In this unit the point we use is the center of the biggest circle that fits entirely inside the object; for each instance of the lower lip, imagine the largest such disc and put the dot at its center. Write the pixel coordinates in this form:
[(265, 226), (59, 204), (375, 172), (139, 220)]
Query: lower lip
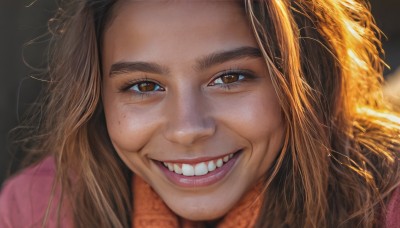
[(200, 181)]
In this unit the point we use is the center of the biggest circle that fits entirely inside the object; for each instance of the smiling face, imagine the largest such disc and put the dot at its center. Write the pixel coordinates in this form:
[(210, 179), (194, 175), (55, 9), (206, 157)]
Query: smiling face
[(188, 102)]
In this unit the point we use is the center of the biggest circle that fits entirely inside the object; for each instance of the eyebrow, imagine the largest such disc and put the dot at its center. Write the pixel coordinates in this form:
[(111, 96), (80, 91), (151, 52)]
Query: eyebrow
[(127, 67), (201, 63), (225, 56)]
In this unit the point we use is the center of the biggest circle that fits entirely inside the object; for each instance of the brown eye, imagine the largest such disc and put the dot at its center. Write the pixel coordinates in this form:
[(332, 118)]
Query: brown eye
[(228, 79), (146, 86)]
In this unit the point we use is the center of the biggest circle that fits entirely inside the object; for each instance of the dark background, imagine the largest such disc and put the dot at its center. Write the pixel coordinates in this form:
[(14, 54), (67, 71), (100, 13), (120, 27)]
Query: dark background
[(20, 24)]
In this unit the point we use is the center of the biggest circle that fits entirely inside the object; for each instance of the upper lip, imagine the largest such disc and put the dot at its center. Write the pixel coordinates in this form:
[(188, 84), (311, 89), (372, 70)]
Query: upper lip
[(197, 160)]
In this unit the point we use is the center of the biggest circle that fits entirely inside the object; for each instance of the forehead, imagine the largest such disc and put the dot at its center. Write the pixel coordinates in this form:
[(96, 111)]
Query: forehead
[(155, 29), (174, 9)]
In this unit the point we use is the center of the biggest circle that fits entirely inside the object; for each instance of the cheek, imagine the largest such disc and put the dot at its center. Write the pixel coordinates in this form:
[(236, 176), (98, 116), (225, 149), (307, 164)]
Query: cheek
[(257, 116), (129, 128), (132, 131), (260, 123)]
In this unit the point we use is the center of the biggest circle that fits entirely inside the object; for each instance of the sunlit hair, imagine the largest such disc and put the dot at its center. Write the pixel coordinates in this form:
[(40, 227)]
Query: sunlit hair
[(341, 153), (340, 160)]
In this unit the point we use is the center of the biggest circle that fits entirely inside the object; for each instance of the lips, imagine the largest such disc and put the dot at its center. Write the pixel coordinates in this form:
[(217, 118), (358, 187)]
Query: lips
[(199, 173), (197, 169)]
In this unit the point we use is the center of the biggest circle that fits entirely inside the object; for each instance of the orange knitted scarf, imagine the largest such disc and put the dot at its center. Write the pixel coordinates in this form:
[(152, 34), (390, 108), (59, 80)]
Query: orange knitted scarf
[(151, 212)]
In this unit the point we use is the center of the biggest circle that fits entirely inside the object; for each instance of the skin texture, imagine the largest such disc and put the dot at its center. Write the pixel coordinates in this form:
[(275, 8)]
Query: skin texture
[(189, 114)]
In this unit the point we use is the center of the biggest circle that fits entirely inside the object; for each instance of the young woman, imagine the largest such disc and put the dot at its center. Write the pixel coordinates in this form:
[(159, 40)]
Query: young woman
[(211, 114)]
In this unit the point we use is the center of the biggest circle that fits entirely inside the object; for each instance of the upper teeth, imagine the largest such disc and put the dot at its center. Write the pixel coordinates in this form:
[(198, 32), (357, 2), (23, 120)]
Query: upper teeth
[(197, 169)]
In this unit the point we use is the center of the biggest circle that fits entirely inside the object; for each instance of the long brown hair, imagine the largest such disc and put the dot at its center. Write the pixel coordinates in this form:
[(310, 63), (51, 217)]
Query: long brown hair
[(342, 144), (340, 160)]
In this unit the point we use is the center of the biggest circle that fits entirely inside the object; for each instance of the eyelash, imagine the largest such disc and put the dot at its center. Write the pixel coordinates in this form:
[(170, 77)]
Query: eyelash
[(245, 76), (128, 86)]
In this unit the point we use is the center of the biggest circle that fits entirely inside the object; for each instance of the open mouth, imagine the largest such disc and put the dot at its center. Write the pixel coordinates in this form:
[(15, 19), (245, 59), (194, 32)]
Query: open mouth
[(200, 168)]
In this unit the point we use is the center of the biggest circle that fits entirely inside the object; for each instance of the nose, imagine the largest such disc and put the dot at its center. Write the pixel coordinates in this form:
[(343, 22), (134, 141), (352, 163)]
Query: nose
[(188, 120)]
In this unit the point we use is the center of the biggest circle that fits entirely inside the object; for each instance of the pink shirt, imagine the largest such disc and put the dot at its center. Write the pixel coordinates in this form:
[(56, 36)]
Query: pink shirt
[(24, 200)]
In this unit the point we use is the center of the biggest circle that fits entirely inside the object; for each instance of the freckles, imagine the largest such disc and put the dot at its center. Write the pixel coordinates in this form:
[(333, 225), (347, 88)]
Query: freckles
[(121, 123), (118, 127), (131, 128)]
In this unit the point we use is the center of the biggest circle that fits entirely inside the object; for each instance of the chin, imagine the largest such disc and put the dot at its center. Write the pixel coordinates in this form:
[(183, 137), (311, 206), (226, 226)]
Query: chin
[(202, 214), (203, 208)]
